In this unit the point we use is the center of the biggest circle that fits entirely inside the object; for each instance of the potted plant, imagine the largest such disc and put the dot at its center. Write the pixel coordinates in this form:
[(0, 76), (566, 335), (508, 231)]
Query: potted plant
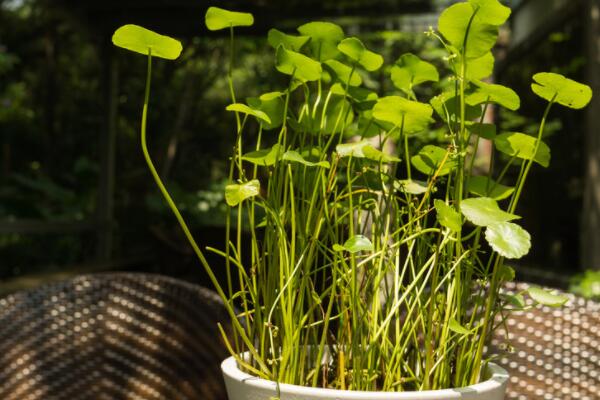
[(375, 268)]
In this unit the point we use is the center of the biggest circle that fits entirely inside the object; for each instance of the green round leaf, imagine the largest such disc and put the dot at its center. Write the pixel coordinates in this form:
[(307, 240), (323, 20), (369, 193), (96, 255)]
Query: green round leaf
[(411, 186), (491, 11), (244, 109), (235, 194), (506, 273), (277, 38), (217, 18), (412, 116), (508, 239), (264, 157), (430, 159), (484, 211), (355, 244), (324, 38), (356, 50), (522, 146), (459, 21), (410, 70), (485, 187), (342, 73), (546, 298), (477, 68), (294, 156), (565, 91), (144, 41), (300, 66), (447, 216), (492, 93)]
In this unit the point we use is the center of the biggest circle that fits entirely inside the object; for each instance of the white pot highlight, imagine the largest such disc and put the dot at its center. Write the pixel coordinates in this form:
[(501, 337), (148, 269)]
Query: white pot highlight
[(242, 386)]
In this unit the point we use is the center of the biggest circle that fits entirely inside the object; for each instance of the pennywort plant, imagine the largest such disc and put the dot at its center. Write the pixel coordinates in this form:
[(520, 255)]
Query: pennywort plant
[(372, 266)]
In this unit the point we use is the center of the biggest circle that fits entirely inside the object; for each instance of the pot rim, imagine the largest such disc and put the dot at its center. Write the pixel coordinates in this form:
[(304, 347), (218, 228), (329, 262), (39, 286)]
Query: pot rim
[(498, 377)]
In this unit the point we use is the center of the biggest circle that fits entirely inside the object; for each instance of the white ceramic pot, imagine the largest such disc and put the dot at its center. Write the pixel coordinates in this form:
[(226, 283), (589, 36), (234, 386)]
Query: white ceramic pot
[(241, 386)]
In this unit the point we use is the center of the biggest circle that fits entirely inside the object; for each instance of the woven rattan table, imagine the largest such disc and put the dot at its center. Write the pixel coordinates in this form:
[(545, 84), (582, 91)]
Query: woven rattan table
[(148, 337), (112, 336)]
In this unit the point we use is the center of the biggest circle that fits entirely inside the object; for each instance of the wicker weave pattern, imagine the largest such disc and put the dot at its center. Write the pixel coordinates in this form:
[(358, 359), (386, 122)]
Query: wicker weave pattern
[(556, 351), (113, 336)]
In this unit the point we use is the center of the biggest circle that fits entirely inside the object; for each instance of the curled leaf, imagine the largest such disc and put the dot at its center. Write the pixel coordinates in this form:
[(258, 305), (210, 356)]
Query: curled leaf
[(277, 38), (432, 159), (409, 70), (244, 109), (546, 298)]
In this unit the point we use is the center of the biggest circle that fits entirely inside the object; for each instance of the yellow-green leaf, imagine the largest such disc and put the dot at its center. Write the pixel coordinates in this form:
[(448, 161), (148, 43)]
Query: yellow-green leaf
[(411, 116), (144, 41), (565, 91), (235, 194), (342, 73), (547, 298), (492, 93), (355, 244), (508, 239), (354, 49), (409, 70), (522, 146), (277, 38), (218, 18), (324, 38), (431, 158), (300, 66), (244, 109), (447, 216), (485, 187), (484, 211)]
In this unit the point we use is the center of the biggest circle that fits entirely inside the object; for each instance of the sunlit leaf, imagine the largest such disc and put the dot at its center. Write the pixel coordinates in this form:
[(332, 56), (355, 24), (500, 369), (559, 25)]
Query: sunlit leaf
[(522, 146), (264, 157), (431, 158), (485, 187), (492, 11), (356, 50), (296, 64), (411, 116), (546, 298), (409, 70), (277, 38), (477, 68), (492, 93), (459, 21), (486, 131), (144, 41), (455, 327), (324, 38), (565, 91), (447, 216), (217, 18), (484, 211), (244, 109), (294, 156), (235, 194), (342, 73), (355, 244), (508, 239), (411, 186)]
